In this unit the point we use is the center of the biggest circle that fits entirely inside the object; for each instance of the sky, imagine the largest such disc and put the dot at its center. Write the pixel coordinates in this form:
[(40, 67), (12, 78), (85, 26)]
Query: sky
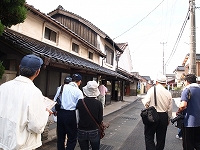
[(150, 27)]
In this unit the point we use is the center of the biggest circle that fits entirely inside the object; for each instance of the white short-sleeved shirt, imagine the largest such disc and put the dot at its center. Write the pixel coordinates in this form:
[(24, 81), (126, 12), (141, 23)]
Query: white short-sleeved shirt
[(164, 99), (70, 96)]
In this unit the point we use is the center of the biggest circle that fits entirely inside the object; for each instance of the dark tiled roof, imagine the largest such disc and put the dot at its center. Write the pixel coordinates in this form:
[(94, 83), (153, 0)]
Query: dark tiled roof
[(28, 45), (180, 68), (147, 78), (122, 46), (127, 74), (61, 10), (197, 56)]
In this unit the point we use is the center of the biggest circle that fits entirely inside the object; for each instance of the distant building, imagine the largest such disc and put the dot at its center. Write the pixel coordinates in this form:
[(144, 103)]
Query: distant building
[(171, 81), (186, 62), (145, 84), (124, 67), (182, 70), (179, 73)]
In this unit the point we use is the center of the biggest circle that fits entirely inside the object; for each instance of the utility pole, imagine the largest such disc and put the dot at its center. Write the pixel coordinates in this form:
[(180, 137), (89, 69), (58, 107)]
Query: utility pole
[(192, 65), (163, 43)]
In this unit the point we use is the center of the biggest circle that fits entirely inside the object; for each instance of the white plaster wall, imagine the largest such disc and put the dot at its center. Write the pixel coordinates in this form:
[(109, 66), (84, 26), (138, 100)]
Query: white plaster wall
[(34, 26), (125, 61), (106, 65)]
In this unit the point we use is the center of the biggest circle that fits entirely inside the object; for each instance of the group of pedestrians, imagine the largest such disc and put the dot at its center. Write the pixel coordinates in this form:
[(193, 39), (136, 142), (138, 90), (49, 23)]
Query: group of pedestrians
[(73, 119), (23, 115), (189, 107)]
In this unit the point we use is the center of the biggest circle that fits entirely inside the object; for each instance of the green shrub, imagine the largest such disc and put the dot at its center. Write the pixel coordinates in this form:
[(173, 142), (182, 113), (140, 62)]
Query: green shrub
[(177, 88), (138, 91), (2, 69)]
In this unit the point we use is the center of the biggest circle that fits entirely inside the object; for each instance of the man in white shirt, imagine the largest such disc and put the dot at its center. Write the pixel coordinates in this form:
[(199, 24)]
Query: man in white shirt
[(66, 116), (23, 114), (164, 109)]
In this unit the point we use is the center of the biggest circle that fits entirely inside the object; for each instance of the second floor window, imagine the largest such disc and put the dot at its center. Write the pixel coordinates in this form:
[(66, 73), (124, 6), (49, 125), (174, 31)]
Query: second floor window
[(50, 34), (109, 55), (90, 55), (75, 47)]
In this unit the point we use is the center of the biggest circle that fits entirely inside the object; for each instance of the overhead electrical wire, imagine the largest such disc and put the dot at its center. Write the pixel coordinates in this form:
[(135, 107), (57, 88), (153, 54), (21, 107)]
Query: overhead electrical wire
[(156, 28), (172, 15), (140, 20), (178, 38)]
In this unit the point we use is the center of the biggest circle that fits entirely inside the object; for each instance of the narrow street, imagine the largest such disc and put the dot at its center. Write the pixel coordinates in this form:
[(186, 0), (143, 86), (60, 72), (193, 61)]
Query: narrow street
[(126, 131)]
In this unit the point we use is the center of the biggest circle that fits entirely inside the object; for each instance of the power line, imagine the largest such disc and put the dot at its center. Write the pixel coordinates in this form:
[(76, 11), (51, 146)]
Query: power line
[(140, 20), (178, 38)]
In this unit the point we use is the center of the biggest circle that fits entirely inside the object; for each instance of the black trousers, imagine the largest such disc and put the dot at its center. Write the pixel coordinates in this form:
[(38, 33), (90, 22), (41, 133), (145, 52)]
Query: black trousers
[(66, 125), (159, 129), (191, 138)]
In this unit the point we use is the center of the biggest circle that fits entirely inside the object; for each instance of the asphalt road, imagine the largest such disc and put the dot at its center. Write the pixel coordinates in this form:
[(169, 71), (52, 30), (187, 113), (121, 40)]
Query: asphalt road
[(126, 131)]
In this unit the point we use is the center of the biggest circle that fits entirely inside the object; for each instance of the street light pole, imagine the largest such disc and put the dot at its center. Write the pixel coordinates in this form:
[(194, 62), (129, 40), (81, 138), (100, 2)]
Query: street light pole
[(192, 65), (163, 43)]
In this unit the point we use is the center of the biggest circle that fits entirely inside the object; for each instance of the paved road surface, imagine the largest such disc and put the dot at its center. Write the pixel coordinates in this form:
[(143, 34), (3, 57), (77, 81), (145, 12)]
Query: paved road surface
[(126, 131)]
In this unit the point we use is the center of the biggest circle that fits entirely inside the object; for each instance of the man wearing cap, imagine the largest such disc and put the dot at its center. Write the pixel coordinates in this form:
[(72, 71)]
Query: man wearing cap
[(23, 114), (67, 80), (190, 108), (88, 133), (66, 116), (164, 109)]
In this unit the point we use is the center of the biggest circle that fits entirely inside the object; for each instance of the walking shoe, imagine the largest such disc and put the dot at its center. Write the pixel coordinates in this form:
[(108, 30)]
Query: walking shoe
[(177, 136)]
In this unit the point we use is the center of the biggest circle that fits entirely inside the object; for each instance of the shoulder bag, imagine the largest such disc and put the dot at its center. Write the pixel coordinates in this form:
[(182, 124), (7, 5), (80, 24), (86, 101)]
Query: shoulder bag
[(150, 115), (102, 126), (58, 99)]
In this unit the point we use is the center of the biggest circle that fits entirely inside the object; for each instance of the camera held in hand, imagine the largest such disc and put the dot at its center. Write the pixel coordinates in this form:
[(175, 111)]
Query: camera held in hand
[(178, 119)]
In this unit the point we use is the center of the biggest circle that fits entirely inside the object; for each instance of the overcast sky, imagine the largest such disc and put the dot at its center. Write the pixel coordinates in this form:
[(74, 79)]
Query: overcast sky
[(149, 26)]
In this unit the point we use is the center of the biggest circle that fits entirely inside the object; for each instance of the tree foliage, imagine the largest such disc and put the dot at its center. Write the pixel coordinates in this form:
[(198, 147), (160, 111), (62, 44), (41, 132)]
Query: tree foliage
[(12, 12)]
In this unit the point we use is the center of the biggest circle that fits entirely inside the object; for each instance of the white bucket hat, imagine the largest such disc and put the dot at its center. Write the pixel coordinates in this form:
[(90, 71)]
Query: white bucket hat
[(161, 79), (91, 89)]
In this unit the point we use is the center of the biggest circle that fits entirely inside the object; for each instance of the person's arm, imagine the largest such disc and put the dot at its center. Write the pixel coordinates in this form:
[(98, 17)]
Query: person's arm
[(169, 111), (57, 93), (106, 90), (147, 99), (37, 114), (55, 97), (184, 100), (182, 107)]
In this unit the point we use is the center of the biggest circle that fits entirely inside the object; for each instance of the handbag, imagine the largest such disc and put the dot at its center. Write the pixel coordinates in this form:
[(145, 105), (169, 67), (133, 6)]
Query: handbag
[(150, 115), (102, 126), (58, 99)]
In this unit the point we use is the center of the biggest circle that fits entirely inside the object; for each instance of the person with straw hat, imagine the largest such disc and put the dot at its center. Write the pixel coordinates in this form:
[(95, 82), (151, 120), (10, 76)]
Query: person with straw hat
[(88, 131)]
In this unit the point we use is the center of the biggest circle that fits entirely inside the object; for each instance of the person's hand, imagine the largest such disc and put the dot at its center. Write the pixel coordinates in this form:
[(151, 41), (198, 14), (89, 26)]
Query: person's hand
[(146, 106), (55, 113), (50, 111), (178, 112)]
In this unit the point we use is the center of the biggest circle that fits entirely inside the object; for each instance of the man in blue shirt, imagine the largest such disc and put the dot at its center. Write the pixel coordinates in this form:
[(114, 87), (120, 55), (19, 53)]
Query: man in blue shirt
[(190, 106), (66, 116)]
